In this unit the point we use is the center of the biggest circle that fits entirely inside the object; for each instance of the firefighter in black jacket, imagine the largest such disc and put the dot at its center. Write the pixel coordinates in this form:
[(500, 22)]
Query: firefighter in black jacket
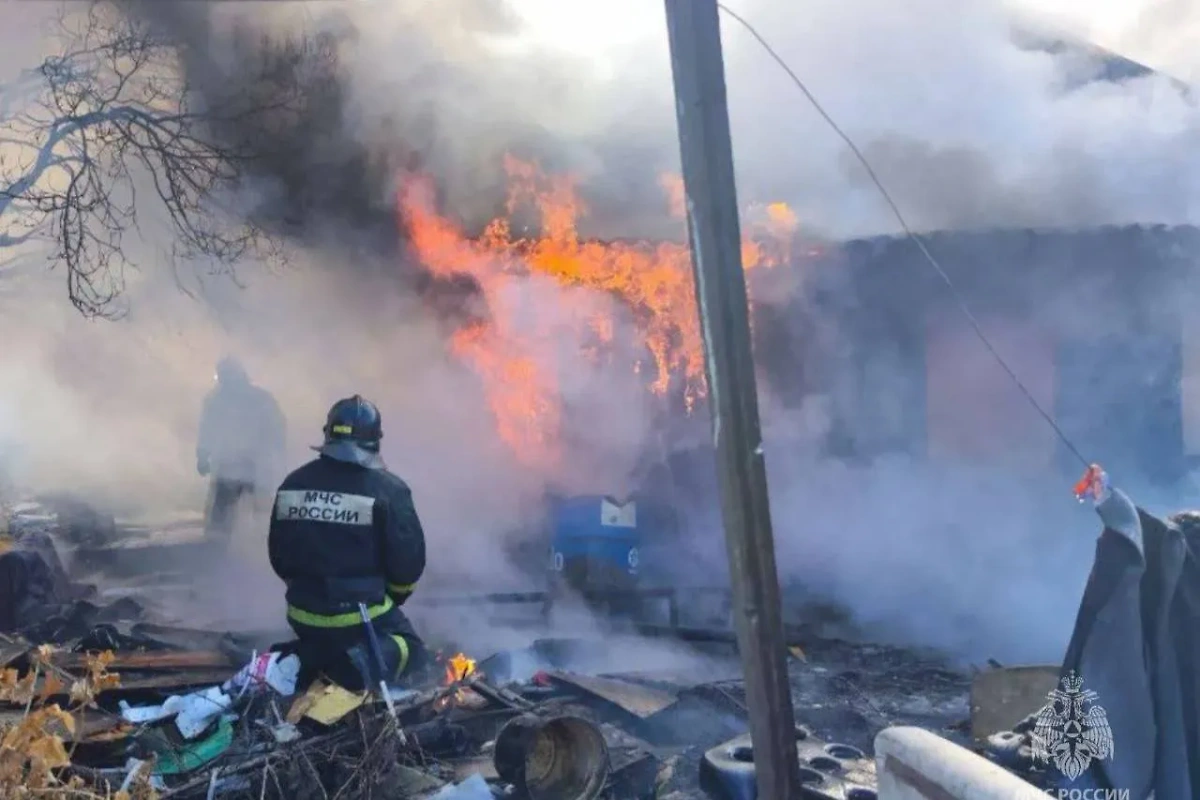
[(344, 531)]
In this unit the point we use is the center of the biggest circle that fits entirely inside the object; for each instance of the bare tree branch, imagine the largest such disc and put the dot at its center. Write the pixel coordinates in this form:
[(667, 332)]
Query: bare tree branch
[(114, 115)]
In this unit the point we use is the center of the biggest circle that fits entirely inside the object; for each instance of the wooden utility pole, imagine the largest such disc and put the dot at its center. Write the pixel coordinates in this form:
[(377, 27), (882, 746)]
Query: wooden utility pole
[(712, 215)]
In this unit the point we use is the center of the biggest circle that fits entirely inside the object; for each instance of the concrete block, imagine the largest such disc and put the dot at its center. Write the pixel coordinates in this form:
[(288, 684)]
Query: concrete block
[(915, 764)]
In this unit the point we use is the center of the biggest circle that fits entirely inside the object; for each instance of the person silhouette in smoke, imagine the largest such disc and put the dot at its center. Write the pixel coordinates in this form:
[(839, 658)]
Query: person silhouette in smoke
[(240, 447)]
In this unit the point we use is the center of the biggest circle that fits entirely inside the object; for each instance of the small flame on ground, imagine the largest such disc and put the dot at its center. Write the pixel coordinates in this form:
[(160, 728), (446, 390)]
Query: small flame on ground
[(459, 668)]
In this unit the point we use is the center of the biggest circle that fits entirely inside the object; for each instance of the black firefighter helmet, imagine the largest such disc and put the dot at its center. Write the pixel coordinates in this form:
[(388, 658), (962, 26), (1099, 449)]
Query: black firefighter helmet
[(353, 429)]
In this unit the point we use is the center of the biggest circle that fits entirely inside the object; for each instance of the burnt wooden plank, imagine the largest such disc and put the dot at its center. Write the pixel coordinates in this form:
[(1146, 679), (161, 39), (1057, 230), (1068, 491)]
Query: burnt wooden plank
[(150, 661)]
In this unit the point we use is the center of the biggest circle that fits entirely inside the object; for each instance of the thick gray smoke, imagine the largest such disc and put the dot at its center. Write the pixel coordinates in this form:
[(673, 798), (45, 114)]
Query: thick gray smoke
[(110, 411), (966, 129)]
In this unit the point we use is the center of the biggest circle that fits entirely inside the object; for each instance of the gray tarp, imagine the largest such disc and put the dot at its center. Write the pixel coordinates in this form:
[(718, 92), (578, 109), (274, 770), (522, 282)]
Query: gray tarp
[(1136, 645)]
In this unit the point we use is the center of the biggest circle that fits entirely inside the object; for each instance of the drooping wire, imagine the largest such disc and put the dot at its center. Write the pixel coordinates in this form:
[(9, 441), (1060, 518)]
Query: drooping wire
[(908, 232)]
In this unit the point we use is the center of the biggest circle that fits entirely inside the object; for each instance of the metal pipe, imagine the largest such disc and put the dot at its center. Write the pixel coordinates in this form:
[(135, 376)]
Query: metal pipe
[(377, 653)]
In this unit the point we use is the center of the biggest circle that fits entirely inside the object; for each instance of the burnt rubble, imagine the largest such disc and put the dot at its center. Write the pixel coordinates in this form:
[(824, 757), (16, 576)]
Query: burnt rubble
[(119, 701), (612, 737)]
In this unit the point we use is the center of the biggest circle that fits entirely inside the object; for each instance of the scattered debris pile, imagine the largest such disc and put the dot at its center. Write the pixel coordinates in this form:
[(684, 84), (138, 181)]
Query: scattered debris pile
[(97, 701), (143, 724), (38, 597), (147, 719)]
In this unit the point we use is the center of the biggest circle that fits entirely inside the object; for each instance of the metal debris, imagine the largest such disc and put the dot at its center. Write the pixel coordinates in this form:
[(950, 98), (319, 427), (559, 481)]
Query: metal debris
[(637, 699)]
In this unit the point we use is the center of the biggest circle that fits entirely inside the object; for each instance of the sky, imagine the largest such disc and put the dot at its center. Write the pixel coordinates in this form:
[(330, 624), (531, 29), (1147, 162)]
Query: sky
[(1152, 31)]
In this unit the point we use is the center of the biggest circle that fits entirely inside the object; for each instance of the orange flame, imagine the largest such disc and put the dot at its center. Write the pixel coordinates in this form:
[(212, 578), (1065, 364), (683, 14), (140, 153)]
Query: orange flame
[(459, 668), (509, 350)]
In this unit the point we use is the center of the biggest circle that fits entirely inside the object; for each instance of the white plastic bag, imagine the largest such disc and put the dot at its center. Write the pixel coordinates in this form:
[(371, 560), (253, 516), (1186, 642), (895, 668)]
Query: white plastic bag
[(197, 711), (193, 713), (267, 669)]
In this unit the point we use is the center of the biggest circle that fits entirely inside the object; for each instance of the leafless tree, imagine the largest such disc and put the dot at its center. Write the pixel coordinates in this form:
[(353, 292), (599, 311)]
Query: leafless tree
[(96, 141)]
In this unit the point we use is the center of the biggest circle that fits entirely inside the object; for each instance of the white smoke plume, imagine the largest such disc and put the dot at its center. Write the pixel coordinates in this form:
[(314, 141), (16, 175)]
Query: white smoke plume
[(965, 128)]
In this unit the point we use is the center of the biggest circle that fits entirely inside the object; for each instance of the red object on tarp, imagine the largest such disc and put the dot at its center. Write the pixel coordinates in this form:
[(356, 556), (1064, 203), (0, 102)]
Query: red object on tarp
[(1091, 484)]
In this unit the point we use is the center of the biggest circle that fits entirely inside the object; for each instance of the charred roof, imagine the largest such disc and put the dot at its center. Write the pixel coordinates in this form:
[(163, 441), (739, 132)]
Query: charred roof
[(1121, 276), (1085, 61)]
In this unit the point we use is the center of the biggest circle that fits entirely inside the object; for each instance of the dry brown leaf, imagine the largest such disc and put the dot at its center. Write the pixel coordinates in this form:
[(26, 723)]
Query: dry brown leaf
[(116, 734), (98, 663), (50, 751), (55, 712), (109, 680), (51, 686), (13, 736), (9, 679), (21, 691), (10, 760), (38, 776)]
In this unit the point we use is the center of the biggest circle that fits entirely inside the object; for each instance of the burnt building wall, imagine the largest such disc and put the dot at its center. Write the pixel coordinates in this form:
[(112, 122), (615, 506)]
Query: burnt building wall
[(1096, 324)]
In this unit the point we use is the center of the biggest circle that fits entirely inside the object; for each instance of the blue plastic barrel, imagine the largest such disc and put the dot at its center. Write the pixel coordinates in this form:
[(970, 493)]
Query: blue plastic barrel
[(596, 529)]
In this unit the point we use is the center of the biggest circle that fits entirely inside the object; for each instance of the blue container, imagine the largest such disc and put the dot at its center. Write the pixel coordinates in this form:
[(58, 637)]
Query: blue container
[(596, 529)]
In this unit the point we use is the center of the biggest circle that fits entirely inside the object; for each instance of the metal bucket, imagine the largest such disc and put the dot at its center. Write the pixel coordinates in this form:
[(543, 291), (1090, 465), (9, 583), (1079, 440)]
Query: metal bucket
[(559, 758)]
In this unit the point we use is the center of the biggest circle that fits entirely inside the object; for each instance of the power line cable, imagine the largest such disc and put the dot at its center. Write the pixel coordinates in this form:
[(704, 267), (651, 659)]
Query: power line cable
[(933, 262)]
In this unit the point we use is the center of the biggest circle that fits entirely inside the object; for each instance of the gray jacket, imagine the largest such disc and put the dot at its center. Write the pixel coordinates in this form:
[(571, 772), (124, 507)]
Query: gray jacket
[(242, 434)]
